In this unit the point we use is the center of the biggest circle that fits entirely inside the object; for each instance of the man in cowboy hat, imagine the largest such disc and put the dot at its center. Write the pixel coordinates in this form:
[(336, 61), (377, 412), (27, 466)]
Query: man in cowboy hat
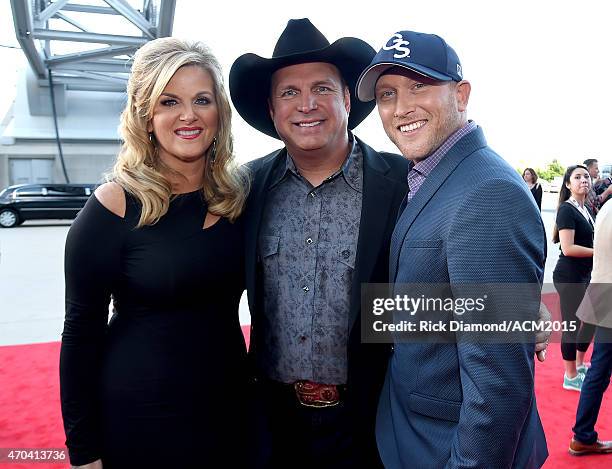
[(468, 220), (318, 224)]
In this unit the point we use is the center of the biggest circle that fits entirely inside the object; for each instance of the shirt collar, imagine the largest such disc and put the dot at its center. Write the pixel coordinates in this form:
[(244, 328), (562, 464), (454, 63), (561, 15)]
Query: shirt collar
[(426, 166), (350, 168)]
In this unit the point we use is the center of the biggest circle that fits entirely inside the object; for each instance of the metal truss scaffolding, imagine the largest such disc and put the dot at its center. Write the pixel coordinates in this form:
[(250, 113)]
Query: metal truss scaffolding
[(72, 39)]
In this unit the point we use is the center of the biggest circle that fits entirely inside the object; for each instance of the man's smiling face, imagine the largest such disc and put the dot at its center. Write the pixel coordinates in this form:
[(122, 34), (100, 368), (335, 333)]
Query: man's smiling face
[(310, 106), (419, 113)]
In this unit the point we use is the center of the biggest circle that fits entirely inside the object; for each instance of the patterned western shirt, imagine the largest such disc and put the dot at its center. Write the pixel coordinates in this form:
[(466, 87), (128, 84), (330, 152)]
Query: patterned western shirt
[(594, 199), (307, 246)]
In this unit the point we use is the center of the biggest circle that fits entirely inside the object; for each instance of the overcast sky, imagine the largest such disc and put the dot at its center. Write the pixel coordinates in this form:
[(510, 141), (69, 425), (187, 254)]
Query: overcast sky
[(540, 69)]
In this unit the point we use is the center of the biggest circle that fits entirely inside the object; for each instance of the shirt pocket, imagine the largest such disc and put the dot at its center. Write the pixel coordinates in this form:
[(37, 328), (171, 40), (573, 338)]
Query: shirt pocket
[(268, 246), (268, 262)]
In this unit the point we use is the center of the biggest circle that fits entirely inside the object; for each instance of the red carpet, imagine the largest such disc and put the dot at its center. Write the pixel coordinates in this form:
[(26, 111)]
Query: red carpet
[(557, 407), (30, 409), (30, 415)]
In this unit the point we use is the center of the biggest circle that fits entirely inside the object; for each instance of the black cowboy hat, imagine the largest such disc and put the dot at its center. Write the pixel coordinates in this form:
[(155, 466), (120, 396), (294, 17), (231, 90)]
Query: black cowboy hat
[(300, 42)]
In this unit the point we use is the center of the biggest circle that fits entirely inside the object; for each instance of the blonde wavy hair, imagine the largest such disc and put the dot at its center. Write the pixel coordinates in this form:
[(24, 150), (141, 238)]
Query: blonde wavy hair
[(139, 170)]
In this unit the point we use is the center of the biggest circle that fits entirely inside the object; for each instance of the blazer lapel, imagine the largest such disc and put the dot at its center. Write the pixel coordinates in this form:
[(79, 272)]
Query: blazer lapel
[(378, 194), (464, 147)]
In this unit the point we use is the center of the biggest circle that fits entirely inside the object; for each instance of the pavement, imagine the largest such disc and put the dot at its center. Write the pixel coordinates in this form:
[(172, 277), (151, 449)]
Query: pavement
[(32, 278)]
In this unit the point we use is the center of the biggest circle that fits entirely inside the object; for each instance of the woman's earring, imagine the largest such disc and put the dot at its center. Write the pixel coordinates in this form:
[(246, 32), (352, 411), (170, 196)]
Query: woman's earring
[(151, 137), (213, 152)]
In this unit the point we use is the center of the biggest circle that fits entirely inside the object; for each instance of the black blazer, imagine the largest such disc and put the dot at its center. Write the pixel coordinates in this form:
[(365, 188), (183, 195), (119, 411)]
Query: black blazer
[(384, 186)]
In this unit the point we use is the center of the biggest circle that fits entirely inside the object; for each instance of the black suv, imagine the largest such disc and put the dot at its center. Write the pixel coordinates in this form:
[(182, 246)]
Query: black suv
[(42, 201)]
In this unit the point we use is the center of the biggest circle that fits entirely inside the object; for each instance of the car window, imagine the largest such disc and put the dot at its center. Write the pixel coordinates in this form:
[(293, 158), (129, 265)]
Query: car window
[(28, 192), (66, 191)]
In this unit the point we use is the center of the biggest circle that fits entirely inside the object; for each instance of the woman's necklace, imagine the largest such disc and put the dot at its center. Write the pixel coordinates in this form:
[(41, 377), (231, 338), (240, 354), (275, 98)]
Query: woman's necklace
[(582, 209)]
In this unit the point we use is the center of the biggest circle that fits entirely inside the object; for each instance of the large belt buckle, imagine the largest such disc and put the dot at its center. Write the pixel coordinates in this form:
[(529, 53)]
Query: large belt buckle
[(317, 395)]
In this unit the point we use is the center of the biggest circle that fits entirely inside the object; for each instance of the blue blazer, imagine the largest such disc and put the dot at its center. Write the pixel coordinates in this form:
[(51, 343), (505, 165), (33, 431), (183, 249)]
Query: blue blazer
[(465, 404)]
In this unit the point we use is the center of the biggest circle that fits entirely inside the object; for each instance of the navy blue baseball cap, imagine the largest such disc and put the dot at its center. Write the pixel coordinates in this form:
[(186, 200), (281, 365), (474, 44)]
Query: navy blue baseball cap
[(425, 54)]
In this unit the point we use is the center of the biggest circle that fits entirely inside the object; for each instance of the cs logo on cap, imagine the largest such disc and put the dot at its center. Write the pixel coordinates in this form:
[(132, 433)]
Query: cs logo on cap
[(398, 43)]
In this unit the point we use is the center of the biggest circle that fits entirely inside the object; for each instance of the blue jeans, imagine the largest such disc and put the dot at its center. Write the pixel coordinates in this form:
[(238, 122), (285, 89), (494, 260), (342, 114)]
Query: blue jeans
[(595, 384)]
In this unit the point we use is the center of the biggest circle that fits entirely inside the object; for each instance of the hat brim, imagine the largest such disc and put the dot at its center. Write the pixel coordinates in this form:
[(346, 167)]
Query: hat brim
[(366, 84), (250, 79)]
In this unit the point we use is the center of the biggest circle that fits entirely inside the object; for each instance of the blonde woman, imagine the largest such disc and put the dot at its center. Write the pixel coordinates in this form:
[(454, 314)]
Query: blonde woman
[(159, 385)]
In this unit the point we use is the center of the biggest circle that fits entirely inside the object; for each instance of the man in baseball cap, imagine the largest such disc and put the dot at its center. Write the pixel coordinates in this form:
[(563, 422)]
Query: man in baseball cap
[(467, 220)]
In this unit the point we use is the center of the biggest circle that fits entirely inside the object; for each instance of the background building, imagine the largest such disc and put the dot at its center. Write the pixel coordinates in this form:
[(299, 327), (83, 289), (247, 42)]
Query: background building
[(63, 123), (88, 132)]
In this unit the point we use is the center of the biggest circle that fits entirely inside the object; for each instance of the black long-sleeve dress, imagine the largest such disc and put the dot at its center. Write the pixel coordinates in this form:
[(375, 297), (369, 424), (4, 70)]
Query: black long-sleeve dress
[(162, 384)]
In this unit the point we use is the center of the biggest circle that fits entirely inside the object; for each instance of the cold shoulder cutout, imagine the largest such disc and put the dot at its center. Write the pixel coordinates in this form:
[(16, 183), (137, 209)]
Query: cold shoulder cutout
[(112, 196)]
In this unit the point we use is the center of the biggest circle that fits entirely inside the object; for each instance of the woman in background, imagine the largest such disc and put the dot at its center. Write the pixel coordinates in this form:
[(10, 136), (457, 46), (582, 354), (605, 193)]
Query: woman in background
[(162, 384), (574, 231), (531, 179)]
